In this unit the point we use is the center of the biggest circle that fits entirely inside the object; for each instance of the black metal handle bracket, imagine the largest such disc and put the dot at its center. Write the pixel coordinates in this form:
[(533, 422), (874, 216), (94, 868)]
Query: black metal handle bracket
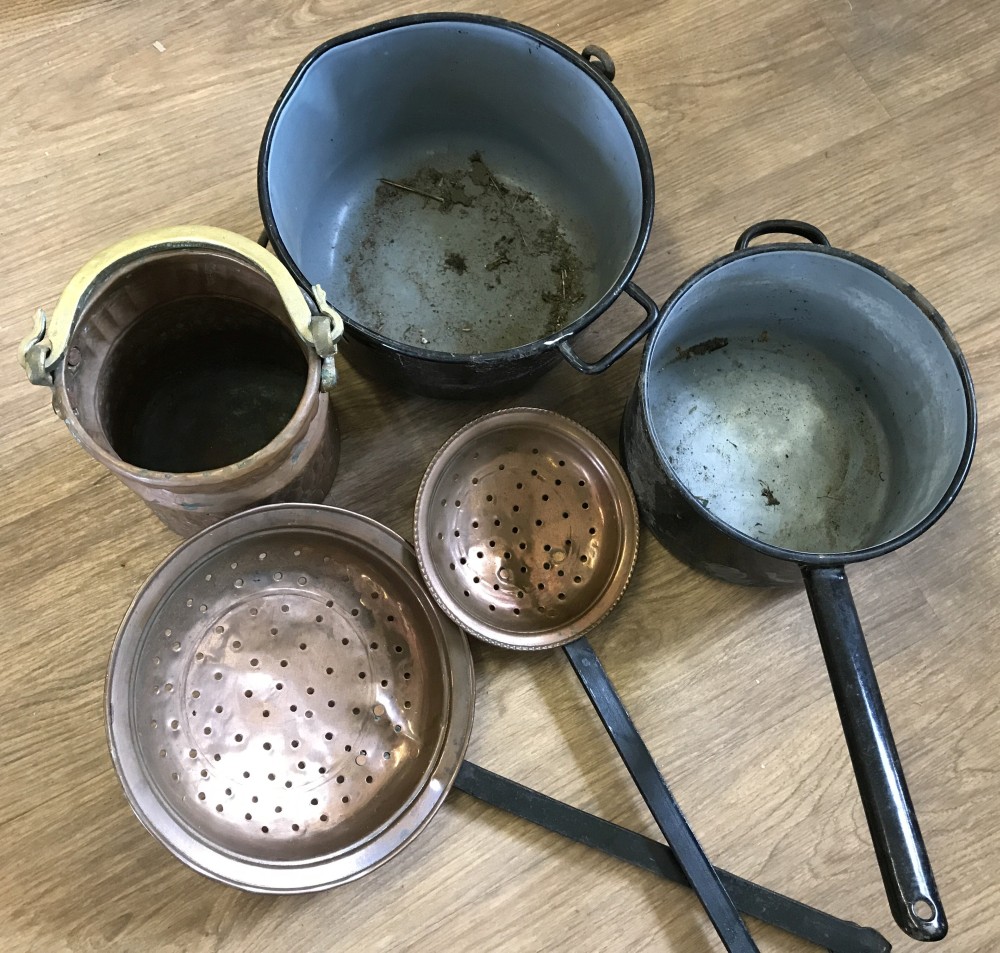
[(628, 342), (782, 226)]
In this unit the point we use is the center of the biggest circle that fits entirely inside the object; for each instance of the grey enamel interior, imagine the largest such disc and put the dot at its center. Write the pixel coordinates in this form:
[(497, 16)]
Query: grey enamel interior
[(432, 94), (832, 419)]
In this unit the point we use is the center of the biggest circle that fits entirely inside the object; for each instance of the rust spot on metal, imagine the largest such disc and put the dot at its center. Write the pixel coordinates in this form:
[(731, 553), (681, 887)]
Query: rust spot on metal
[(703, 347)]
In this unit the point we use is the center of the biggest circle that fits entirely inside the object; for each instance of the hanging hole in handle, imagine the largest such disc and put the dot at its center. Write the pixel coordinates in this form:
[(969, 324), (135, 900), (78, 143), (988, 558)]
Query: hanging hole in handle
[(600, 59), (923, 909), (782, 226)]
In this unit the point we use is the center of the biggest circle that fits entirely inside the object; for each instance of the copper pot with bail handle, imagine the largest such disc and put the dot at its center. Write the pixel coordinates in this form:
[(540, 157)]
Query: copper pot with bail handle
[(800, 408), (189, 363)]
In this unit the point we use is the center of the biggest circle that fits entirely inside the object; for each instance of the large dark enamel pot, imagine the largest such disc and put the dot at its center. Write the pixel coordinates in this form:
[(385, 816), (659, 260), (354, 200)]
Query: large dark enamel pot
[(470, 192), (800, 408)]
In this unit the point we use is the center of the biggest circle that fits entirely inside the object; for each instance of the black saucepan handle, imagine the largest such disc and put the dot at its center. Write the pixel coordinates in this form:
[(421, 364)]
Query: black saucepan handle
[(702, 875), (782, 226), (798, 919), (630, 340), (902, 857)]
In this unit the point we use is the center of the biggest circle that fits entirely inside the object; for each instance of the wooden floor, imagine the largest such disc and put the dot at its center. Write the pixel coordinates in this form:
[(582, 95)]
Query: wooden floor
[(875, 119)]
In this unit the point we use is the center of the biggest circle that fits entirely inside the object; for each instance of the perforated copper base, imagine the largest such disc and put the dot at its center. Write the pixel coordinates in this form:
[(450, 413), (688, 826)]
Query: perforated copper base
[(286, 705), (526, 529)]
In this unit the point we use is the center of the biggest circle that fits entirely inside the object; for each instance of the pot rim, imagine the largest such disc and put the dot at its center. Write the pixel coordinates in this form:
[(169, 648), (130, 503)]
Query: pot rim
[(539, 345), (623, 509), (268, 456), (948, 338)]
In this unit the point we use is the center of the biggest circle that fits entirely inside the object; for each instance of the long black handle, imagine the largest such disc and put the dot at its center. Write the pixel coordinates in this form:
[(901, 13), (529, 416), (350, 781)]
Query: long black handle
[(701, 874), (902, 857), (799, 919)]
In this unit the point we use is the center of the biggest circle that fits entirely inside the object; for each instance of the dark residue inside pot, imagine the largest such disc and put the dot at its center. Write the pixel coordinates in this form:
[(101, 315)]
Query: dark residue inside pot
[(459, 259), (703, 347), (199, 383)]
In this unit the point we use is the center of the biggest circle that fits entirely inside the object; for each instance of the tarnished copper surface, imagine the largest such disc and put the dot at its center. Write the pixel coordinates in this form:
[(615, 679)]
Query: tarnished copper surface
[(190, 371), (286, 705), (526, 528)]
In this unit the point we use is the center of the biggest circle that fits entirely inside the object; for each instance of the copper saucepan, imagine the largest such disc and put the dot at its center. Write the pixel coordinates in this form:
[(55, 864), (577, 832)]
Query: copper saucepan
[(527, 531)]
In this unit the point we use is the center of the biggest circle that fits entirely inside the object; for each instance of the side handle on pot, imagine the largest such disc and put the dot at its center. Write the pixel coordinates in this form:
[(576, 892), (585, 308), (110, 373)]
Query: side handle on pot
[(35, 350), (604, 64), (899, 847), (629, 341), (327, 327), (782, 226)]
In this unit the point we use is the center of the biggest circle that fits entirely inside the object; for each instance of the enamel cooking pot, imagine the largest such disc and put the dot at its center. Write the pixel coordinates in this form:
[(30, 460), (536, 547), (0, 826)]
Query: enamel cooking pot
[(800, 408), (470, 192)]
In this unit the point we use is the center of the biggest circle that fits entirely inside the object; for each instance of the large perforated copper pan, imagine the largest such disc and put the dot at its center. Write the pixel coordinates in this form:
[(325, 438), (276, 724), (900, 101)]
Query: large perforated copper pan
[(286, 706), (526, 530)]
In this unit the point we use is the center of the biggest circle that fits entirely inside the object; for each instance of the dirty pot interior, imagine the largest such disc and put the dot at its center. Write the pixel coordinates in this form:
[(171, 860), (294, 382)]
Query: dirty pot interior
[(456, 186), (806, 401)]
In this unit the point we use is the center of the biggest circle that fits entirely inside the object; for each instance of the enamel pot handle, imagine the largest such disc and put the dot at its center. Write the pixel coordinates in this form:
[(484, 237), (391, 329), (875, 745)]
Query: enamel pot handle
[(629, 341), (899, 847), (782, 226)]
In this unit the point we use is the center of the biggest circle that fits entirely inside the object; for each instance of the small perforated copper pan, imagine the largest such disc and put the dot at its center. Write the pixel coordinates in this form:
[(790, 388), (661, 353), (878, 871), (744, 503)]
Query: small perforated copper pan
[(526, 531), (286, 706)]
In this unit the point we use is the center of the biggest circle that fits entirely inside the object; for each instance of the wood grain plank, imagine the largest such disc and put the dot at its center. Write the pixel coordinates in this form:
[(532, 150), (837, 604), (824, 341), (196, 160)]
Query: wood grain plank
[(874, 121), (912, 52)]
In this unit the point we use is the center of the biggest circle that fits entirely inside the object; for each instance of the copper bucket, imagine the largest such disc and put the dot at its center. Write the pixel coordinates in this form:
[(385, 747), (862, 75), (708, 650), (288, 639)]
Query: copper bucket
[(188, 362)]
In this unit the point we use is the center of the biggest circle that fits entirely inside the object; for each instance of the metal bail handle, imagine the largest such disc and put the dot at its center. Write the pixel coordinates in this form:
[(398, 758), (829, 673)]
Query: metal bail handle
[(35, 349), (42, 350), (326, 328)]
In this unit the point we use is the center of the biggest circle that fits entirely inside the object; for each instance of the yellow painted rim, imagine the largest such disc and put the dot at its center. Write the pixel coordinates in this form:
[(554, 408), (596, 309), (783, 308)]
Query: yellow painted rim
[(60, 324)]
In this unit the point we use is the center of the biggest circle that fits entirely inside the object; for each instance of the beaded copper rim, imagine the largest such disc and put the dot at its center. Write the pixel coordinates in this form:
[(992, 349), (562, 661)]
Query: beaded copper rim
[(287, 707), (526, 529)]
